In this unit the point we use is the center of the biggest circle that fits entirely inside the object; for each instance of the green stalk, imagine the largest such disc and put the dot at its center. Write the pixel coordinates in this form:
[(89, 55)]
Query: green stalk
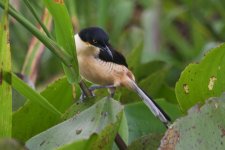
[(64, 35), (32, 95), (50, 44), (33, 11), (5, 77)]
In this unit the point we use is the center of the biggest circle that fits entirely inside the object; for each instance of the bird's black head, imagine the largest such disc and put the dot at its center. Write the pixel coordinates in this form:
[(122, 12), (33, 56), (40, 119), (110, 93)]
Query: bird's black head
[(96, 37)]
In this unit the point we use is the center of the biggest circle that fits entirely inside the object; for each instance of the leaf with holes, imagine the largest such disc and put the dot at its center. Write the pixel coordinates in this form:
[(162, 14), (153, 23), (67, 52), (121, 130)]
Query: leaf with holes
[(101, 120), (202, 128), (201, 81)]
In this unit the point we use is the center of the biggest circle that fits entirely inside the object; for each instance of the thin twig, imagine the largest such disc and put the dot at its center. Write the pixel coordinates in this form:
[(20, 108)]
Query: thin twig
[(85, 89)]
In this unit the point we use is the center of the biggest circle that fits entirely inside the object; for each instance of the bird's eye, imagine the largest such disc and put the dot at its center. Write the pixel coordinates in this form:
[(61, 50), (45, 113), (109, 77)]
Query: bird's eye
[(94, 41)]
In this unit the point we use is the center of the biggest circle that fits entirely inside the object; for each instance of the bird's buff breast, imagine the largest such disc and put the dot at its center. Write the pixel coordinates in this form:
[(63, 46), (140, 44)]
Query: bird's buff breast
[(100, 72)]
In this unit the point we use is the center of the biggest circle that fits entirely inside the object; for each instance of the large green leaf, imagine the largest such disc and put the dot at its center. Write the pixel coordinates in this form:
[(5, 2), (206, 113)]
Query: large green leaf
[(201, 81), (5, 77), (202, 128), (64, 34), (84, 144), (32, 119), (102, 119), (142, 122), (79, 107)]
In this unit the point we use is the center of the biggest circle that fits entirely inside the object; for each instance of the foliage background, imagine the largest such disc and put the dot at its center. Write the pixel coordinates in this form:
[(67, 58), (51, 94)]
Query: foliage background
[(172, 31), (158, 38)]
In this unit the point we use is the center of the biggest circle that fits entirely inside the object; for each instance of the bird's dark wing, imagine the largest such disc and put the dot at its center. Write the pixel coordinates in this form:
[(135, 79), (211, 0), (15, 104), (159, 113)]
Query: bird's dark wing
[(118, 58)]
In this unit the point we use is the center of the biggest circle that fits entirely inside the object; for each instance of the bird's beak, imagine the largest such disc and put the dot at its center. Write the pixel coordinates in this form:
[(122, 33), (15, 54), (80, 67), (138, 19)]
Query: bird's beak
[(106, 48)]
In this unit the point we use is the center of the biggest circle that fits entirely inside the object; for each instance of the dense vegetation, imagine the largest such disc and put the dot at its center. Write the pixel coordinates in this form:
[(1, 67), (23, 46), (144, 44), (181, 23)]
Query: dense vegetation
[(173, 47)]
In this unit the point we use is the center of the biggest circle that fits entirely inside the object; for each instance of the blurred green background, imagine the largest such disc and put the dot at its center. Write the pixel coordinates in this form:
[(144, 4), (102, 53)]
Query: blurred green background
[(176, 32), (158, 38)]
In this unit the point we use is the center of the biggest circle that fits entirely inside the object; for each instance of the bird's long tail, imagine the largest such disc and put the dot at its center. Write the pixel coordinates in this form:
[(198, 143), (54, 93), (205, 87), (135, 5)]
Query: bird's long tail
[(153, 106)]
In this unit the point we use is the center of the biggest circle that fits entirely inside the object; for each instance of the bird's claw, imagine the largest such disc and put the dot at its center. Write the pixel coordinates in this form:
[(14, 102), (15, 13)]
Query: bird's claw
[(93, 88), (83, 96)]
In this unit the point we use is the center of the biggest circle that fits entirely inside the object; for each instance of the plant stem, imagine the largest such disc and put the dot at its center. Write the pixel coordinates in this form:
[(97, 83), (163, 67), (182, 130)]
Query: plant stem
[(5, 69), (33, 11), (50, 44), (85, 89)]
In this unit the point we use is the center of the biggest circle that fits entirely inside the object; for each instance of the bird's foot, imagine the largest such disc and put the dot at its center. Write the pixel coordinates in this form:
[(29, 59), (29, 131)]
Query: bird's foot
[(83, 97), (95, 87), (112, 91)]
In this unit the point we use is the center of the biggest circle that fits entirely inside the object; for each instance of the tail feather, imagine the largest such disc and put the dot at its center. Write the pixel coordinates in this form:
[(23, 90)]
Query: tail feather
[(152, 105)]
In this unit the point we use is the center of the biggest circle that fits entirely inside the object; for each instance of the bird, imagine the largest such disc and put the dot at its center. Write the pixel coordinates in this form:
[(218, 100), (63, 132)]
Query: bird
[(101, 64)]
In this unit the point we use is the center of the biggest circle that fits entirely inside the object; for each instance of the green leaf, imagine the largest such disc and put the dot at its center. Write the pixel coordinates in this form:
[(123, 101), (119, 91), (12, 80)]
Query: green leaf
[(147, 142), (168, 93), (122, 132), (5, 77), (79, 107), (32, 119), (102, 119), (64, 35), (142, 122), (134, 58), (150, 68), (32, 95), (152, 84), (123, 129), (201, 81), (82, 144), (202, 128)]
